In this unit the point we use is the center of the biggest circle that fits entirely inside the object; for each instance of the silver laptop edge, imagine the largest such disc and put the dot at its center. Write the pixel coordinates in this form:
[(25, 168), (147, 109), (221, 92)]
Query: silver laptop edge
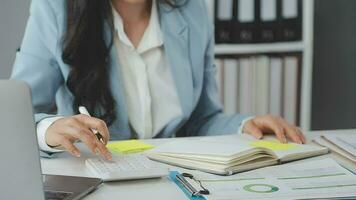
[(20, 168)]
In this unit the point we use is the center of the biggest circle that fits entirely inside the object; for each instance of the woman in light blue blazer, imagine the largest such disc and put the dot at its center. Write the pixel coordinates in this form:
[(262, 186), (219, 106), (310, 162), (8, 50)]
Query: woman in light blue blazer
[(143, 69)]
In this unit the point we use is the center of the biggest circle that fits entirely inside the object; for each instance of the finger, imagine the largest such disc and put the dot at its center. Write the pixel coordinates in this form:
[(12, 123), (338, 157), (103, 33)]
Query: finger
[(104, 151), (293, 134), (70, 137), (97, 124), (301, 135), (277, 128), (88, 137), (77, 130), (69, 146), (253, 130)]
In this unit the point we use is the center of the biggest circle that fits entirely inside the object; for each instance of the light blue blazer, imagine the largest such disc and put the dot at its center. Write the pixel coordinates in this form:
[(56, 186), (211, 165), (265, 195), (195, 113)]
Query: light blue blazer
[(189, 45)]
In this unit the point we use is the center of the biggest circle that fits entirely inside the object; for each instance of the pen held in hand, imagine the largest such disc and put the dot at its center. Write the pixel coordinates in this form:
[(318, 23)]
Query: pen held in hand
[(84, 111)]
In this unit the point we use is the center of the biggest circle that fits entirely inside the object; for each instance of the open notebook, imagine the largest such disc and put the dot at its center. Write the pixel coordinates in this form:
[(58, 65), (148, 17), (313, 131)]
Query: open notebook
[(226, 155)]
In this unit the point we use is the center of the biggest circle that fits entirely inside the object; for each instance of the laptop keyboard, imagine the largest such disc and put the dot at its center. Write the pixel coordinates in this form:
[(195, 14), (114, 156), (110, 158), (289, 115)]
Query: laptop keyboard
[(55, 195)]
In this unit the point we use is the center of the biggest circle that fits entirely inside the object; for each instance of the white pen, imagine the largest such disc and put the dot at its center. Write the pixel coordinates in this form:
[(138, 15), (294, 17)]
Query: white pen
[(84, 111)]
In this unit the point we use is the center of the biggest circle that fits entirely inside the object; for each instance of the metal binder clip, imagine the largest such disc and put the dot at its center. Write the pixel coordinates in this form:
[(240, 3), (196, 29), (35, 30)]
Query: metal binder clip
[(189, 187)]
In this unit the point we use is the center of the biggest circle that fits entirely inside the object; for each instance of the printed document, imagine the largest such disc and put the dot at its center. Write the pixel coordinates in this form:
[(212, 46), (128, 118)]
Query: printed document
[(313, 179)]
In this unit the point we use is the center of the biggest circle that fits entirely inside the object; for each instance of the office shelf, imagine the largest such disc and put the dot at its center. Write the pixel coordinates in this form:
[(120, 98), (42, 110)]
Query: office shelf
[(305, 47), (226, 49)]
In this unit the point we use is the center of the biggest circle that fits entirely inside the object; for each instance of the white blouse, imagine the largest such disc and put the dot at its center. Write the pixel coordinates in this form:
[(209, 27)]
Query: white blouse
[(150, 93)]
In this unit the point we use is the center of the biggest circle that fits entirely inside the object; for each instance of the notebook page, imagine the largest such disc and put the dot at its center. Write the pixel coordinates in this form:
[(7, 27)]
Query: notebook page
[(285, 152), (300, 151), (213, 146), (269, 142)]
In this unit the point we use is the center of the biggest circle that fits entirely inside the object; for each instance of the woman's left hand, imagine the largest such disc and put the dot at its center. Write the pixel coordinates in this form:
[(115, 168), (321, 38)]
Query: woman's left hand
[(271, 124)]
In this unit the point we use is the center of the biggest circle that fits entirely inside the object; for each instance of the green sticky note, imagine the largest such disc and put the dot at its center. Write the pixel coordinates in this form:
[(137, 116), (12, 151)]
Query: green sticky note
[(128, 146), (273, 145)]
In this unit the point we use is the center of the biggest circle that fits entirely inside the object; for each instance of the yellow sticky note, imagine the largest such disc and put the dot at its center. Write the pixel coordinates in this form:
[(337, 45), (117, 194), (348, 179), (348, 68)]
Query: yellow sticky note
[(128, 146), (273, 145)]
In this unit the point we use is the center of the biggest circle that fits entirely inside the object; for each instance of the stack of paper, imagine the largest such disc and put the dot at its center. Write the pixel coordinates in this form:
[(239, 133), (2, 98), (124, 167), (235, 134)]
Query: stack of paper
[(342, 144)]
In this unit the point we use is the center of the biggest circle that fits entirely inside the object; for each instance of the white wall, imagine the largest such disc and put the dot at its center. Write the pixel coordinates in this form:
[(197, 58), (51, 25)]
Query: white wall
[(13, 17)]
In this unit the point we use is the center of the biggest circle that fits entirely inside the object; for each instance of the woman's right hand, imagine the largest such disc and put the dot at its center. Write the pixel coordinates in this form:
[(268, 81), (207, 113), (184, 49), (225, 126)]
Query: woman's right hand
[(64, 132)]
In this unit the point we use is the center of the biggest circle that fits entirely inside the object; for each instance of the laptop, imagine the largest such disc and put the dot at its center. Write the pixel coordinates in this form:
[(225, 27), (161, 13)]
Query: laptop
[(20, 168)]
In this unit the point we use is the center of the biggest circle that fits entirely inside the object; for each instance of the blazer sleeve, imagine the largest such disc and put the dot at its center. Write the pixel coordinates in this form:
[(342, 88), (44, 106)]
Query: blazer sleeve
[(36, 63), (208, 117)]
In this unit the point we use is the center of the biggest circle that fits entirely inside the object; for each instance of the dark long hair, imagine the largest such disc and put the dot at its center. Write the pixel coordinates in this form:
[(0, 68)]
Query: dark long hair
[(86, 51)]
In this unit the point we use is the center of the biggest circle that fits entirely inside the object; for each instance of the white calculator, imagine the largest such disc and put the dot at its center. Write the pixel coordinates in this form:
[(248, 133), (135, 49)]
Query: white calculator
[(125, 167)]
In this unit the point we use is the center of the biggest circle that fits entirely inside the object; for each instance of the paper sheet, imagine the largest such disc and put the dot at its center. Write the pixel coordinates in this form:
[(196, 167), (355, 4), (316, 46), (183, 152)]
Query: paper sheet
[(346, 142), (128, 146), (219, 146), (322, 142), (313, 179)]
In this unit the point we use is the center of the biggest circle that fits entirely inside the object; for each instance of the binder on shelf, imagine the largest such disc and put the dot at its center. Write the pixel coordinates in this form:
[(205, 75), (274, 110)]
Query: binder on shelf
[(231, 75), (258, 21), (276, 82), (246, 93), (291, 86), (291, 20), (261, 85), (223, 21), (269, 30), (245, 26)]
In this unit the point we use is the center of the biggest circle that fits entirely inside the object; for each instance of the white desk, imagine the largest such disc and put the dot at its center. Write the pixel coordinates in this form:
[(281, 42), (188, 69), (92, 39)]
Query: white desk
[(162, 188)]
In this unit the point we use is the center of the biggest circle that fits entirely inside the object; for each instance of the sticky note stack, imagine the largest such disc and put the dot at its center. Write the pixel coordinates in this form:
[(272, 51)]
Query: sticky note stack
[(273, 145), (128, 146)]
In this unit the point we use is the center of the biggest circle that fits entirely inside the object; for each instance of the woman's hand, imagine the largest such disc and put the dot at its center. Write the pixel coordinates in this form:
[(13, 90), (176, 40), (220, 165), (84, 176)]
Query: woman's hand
[(276, 125), (64, 132)]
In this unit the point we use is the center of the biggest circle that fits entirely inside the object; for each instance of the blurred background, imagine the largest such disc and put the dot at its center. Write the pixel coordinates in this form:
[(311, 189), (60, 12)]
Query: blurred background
[(13, 18), (293, 58)]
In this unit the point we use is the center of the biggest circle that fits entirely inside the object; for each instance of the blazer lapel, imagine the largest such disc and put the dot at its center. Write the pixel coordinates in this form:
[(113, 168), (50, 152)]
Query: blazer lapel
[(176, 43)]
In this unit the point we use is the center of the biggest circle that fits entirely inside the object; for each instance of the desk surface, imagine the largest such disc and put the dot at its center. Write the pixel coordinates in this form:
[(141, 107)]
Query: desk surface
[(162, 188)]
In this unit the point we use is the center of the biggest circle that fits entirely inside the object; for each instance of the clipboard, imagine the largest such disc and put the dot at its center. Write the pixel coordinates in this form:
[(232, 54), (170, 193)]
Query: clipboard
[(173, 175)]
